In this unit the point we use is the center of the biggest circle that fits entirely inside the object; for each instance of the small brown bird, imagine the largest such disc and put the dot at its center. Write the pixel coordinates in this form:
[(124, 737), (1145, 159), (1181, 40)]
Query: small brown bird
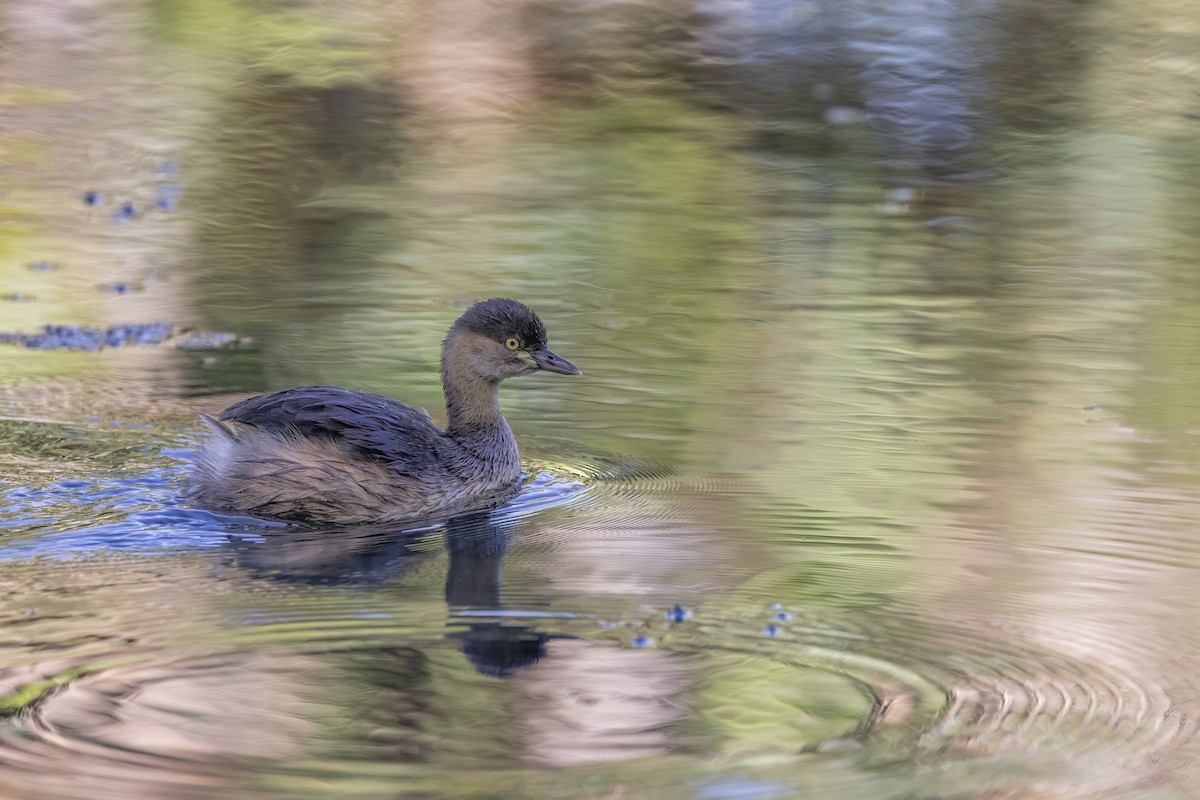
[(322, 454)]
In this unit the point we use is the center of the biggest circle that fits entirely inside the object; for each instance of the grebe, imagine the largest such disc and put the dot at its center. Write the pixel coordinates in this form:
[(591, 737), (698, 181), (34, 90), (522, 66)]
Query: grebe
[(320, 454)]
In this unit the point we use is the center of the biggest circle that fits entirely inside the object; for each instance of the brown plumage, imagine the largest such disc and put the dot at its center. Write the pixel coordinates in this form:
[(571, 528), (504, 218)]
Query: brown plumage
[(330, 455)]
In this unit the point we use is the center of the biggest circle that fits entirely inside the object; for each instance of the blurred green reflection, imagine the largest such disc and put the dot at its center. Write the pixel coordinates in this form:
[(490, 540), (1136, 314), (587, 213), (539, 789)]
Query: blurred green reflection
[(888, 319)]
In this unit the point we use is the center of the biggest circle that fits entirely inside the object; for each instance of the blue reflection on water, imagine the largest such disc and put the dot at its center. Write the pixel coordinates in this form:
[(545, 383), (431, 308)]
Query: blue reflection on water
[(62, 519), (741, 789), (168, 526)]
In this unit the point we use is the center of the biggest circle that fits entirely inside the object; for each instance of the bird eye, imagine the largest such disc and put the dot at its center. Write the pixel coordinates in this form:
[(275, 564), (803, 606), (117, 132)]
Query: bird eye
[(512, 343)]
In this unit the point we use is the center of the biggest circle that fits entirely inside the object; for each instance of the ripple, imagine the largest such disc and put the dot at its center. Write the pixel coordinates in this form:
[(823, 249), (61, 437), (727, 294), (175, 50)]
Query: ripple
[(639, 475), (548, 488), (711, 690), (642, 487), (146, 512), (163, 727)]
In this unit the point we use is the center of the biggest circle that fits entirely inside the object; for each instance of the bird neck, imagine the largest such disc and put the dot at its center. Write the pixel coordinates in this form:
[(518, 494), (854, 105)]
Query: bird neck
[(477, 425), (473, 403)]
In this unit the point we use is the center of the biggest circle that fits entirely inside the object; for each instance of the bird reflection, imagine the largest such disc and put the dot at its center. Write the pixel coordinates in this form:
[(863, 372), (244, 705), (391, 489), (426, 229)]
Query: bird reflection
[(477, 547), (476, 544)]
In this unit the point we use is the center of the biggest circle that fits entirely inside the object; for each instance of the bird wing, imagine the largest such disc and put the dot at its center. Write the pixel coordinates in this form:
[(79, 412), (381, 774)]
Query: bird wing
[(378, 427)]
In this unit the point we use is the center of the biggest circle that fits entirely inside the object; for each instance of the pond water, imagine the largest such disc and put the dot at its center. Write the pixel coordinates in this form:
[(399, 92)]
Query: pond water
[(882, 479)]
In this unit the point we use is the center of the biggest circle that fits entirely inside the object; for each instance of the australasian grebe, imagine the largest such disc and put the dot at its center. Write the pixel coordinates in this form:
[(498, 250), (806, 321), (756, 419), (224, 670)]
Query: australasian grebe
[(328, 455)]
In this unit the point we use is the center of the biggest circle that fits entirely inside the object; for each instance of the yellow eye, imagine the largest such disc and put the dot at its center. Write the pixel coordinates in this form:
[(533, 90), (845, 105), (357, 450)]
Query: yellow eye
[(512, 344)]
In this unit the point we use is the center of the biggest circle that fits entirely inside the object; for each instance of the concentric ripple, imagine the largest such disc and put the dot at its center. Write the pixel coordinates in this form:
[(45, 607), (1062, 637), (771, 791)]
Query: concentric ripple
[(354, 662), (640, 483), (340, 696)]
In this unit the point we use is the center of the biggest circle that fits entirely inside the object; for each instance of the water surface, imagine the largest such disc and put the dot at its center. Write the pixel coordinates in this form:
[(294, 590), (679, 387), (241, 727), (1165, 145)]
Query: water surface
[(881, 480)]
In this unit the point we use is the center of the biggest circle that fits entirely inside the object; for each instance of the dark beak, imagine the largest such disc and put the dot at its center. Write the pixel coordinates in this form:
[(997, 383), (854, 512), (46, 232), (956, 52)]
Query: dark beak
[(550, 362)]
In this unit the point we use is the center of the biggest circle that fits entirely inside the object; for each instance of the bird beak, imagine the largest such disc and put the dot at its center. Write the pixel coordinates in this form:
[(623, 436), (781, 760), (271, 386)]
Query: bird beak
[(549, 362)]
